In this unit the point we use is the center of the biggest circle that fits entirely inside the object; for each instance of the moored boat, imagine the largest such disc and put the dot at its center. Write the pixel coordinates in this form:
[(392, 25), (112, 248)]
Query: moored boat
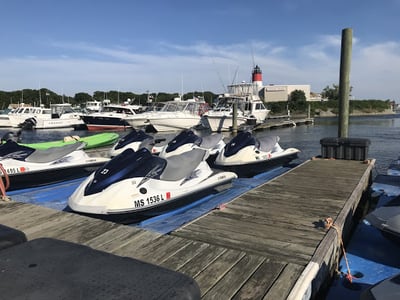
[(111, 117), (103, 139), (57, 116), (175, 115), (250, 111)]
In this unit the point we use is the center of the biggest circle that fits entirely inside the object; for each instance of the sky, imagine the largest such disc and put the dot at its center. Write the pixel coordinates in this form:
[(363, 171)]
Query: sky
[(182, 46)]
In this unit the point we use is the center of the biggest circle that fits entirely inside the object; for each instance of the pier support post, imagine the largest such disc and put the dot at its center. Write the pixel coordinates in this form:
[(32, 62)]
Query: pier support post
[(344, 82), (234, 118)]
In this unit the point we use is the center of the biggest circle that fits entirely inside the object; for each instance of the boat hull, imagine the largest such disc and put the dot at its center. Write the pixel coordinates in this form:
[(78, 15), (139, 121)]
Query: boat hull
[(221, 123), (174, 122), (101, 123), (93, 141)]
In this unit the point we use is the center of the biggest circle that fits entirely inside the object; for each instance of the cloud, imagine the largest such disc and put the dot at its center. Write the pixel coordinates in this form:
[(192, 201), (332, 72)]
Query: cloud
[(81, 67)]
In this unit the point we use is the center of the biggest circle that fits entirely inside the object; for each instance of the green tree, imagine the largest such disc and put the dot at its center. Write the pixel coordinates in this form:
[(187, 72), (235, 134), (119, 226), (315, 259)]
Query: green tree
[(331, 93), (82, 98), (297, 100)]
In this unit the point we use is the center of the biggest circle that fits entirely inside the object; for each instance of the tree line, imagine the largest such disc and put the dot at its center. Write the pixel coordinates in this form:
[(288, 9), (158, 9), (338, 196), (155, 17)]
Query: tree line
[(46, 97), (296, 102)]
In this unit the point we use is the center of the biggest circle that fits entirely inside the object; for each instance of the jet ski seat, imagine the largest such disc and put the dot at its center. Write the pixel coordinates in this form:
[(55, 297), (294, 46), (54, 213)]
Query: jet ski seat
[(181, 166), (211, 140), (267, 143), (53, 153)]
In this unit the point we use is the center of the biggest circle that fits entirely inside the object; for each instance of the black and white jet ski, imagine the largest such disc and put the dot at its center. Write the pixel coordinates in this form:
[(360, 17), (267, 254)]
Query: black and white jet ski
[(386, 289), (187, 140), (386, 218), (247, 155), (134, 140), (137, 184), (29, 167)]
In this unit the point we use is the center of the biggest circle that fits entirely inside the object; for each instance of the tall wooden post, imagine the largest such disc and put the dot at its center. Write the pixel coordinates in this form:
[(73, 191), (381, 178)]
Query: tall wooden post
[(234, 118), (344, 82)]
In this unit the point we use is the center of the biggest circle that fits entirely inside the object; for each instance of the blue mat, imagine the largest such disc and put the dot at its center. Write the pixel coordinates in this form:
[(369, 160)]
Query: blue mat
[(52, 196), (371, 258)]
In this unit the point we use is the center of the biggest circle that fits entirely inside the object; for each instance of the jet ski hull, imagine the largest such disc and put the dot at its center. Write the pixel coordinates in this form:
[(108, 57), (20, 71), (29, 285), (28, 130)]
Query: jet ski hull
[(50, 176), (252, 168)]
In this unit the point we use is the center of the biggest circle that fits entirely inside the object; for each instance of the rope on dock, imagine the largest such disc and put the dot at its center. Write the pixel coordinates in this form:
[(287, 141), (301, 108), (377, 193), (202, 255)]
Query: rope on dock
[(4, 187), (329, 224)]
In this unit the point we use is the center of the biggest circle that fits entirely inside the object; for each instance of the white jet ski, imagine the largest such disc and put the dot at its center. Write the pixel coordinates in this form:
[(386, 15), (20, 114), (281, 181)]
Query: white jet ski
[(28, 167), (135, 140), (137, 184), (247, 155), (187, 140)]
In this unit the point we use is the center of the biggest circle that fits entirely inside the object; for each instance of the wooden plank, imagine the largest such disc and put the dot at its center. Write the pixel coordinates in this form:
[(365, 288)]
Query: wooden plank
[(115, 238), (257, 286), (279, 233), (162, 249), (240, 216), (284, 283), (202, 260), (285, 251), (229, 284), (217, 269), (184, 255)]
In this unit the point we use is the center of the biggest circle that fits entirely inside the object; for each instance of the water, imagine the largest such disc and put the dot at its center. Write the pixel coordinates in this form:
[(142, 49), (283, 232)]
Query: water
[(382, 131)]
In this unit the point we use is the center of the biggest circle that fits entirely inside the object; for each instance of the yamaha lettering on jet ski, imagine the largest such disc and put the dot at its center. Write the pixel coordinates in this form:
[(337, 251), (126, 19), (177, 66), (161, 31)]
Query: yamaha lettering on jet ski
[(29, 167), (187, 140), (137, 184), (247, 155)]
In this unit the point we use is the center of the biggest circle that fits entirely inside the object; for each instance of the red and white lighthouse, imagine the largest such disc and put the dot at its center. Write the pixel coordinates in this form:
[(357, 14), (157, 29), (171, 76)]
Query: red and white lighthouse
[(257, 75)]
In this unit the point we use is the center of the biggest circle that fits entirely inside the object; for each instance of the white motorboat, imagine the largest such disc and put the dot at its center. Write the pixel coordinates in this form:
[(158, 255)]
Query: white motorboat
[(247, 155), (4, 118), (57, 116), (29, 167), (250, 110), (138, 184), (111, 117), (174, 116)]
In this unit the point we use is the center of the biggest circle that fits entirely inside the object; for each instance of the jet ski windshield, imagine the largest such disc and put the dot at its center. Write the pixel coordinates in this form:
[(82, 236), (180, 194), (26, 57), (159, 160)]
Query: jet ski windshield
[(185, 137), (128, 164), (241, 140), (133, 136)]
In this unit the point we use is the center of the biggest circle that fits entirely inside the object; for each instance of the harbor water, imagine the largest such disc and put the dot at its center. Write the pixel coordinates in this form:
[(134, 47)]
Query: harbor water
[(382, 131)]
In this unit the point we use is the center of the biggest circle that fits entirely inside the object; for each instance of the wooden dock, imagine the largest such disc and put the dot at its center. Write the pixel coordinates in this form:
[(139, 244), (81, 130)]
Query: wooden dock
[(273, 123), (269, 243)]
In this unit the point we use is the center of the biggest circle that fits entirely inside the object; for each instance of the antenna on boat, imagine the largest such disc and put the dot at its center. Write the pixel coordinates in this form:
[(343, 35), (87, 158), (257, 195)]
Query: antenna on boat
[(219, 77), (234, 76), (40, 96)]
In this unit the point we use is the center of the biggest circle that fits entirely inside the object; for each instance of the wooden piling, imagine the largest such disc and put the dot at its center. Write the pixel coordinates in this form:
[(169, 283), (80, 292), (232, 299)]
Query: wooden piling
[(344, 82), (234, 118)]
